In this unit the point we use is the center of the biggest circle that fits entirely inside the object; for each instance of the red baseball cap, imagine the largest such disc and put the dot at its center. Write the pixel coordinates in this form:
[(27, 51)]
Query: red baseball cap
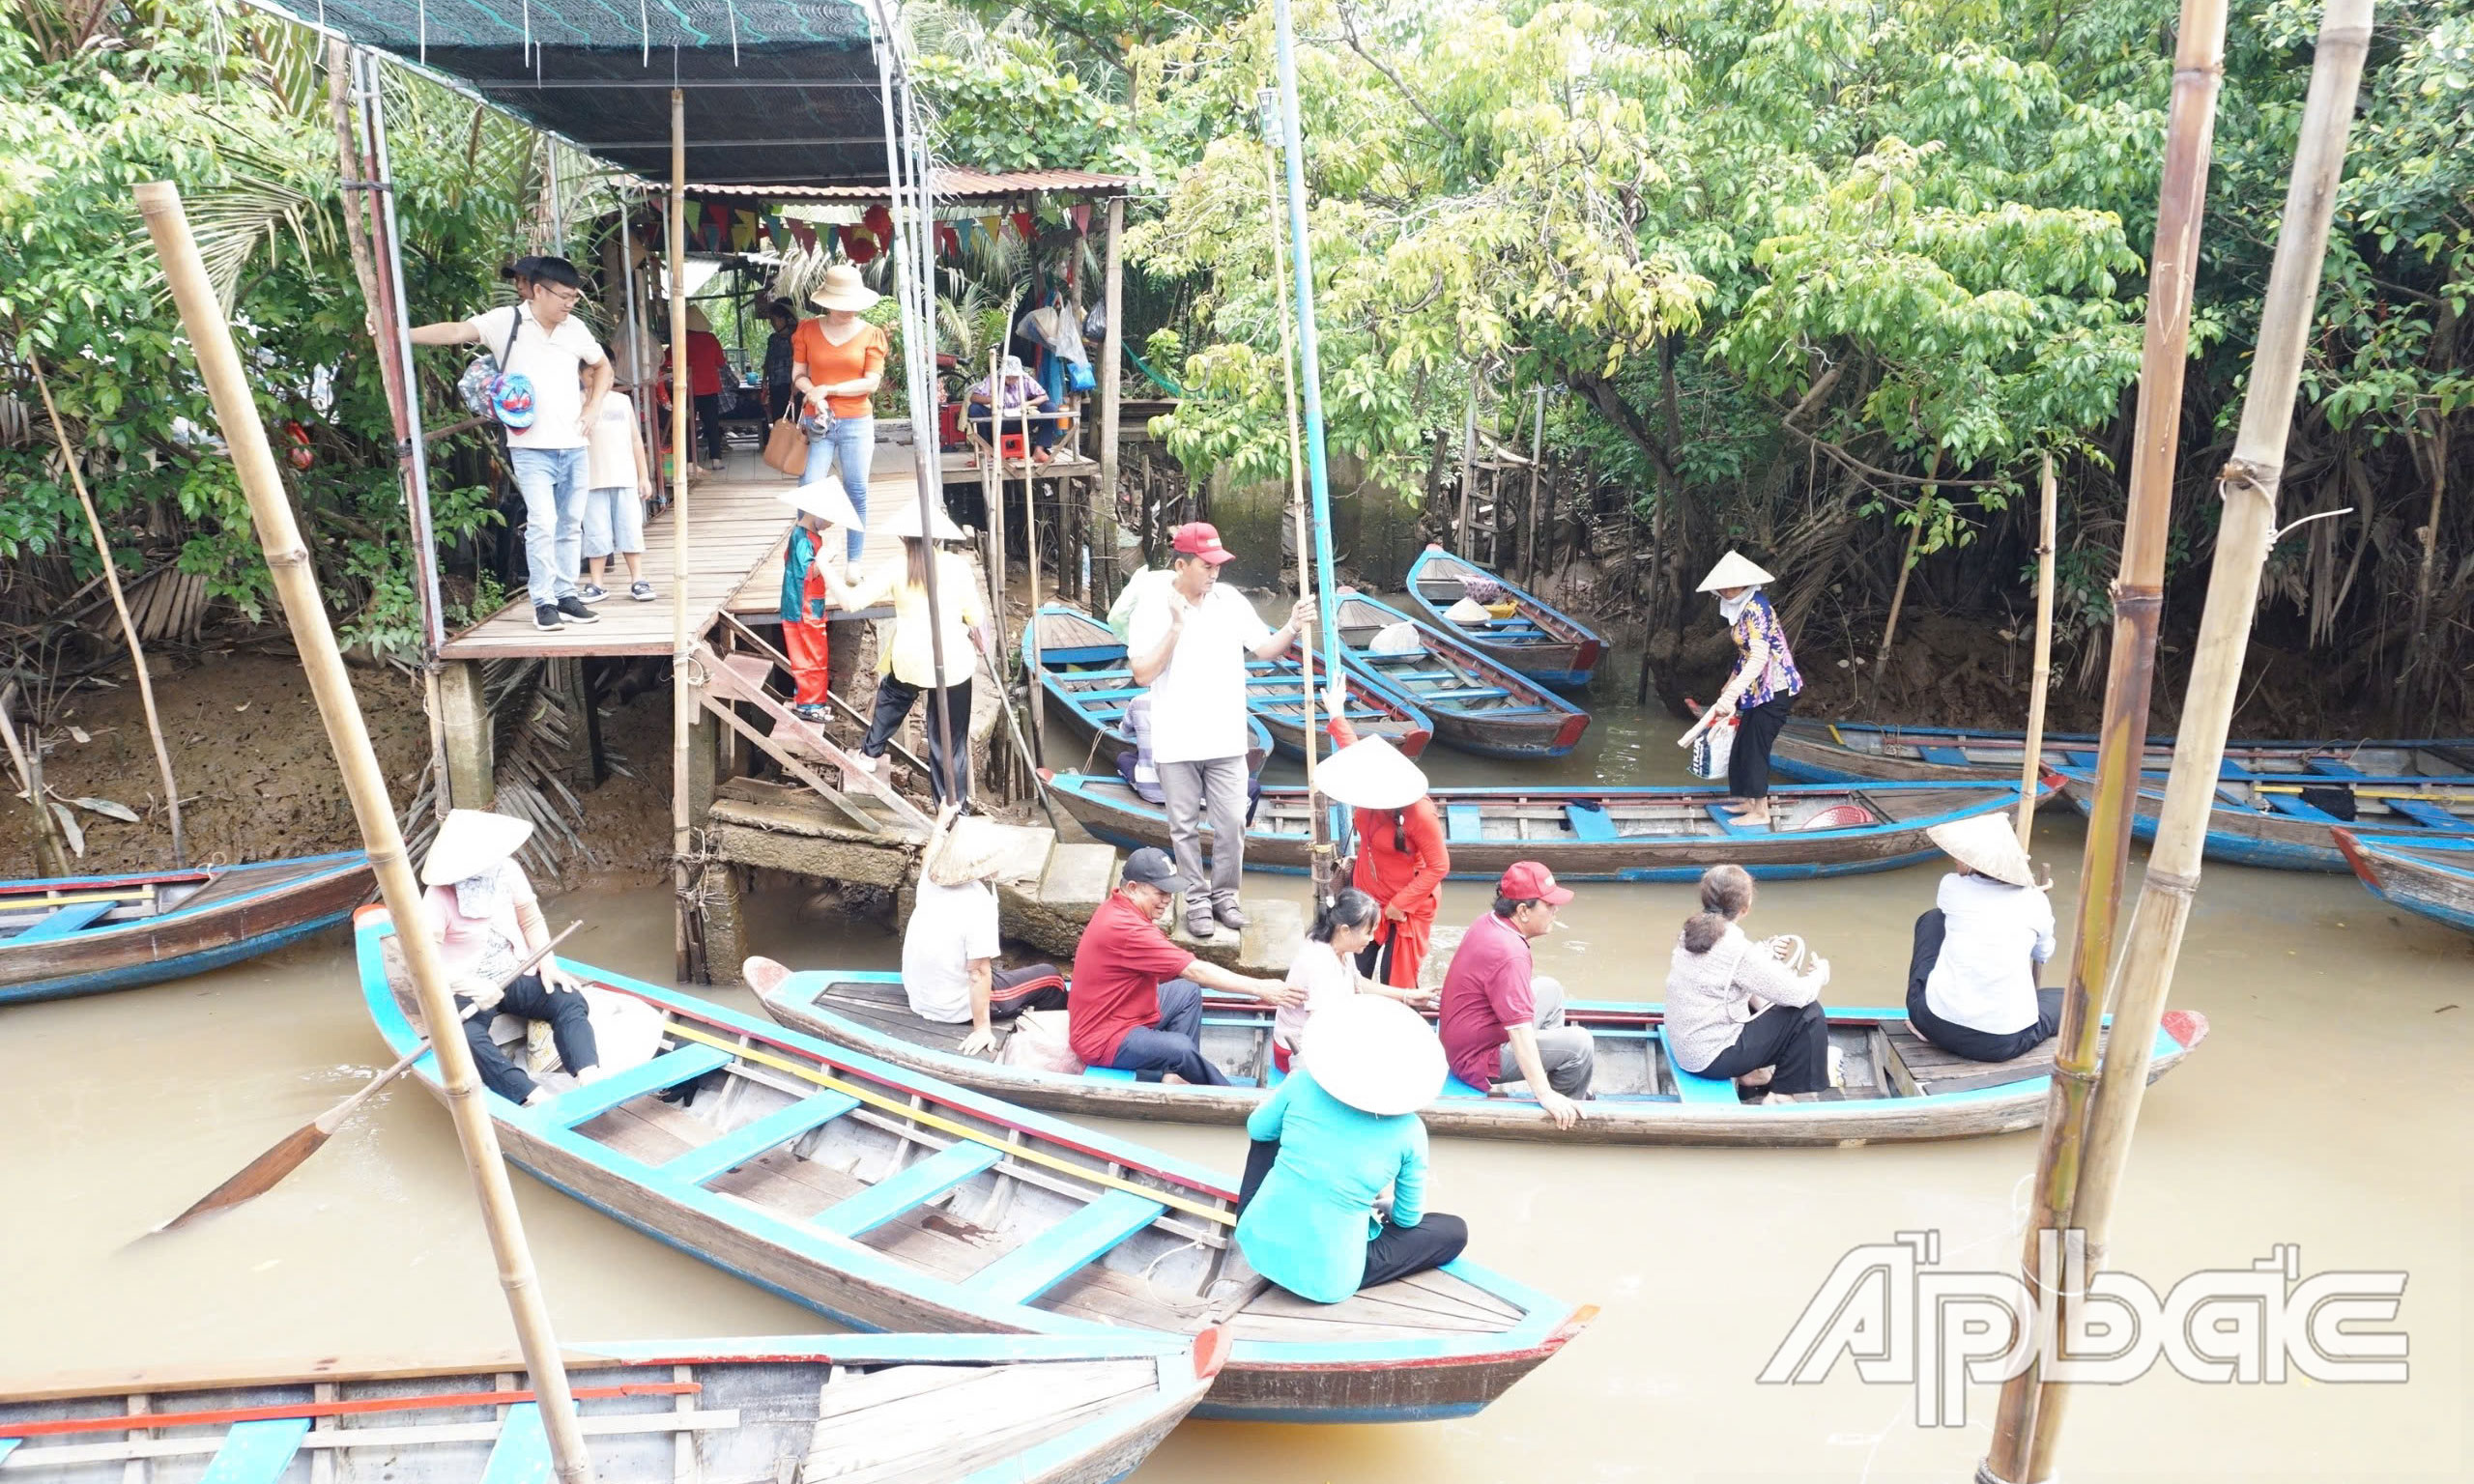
[(1200, 538), (1527, 881)]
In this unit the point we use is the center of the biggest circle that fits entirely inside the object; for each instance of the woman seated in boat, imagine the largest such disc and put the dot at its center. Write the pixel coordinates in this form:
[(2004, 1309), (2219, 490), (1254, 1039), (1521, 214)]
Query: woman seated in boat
[(1401, 858), (949, 971), (1340, 1130), (486, 919), (1972, 983), (1734, 1007), (1326, 968)]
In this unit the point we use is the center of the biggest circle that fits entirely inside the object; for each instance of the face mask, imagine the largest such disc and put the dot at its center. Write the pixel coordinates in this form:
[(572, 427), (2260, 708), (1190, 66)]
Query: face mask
[(1732, 609)]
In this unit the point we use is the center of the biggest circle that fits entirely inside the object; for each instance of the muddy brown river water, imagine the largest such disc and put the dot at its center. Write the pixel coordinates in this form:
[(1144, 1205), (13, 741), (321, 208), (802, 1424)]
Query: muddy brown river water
[(2330, 1108)]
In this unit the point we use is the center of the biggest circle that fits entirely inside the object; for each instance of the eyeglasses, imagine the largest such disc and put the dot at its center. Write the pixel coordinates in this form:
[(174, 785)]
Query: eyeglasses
[(562, 294)]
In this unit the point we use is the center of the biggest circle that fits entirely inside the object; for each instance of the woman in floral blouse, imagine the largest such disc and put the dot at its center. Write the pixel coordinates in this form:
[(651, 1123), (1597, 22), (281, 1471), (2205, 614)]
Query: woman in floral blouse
[(1762, 688)]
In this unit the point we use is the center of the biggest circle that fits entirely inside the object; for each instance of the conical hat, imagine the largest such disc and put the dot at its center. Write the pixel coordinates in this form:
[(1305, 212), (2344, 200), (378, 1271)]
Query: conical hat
[(1986, 845), (826, 501), (1375, 1054), (470, 842), (972, 850), (904, 522), (1733, 571), (1370, 772)]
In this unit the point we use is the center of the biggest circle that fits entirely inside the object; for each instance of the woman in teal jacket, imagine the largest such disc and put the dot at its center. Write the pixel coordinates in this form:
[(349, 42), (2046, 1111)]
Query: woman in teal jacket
[(1339, 1130)]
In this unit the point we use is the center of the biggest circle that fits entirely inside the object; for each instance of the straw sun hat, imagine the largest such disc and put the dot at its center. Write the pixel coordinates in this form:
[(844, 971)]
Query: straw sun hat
[(972, 852), (1374, 1054), (825, 499), (904, 522), (1370, 772), (1733, 571), (1986, 845), (470, 842), (842, 290)]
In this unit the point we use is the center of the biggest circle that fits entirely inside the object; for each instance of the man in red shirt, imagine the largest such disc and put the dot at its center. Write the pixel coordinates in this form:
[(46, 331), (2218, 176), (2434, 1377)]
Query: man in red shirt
[(1499, 1024), (1136, 1002)]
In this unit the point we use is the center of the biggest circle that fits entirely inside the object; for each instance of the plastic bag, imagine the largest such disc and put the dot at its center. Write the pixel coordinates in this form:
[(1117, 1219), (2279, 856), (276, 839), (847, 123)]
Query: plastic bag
[(1711, 750)]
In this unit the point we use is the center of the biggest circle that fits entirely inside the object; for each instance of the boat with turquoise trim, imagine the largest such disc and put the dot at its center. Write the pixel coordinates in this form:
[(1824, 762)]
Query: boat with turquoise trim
[(2431, 875), (1535, 638)]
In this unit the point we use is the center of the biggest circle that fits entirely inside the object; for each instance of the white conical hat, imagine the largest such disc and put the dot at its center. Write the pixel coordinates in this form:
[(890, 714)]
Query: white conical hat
[(1375, 1054), (1986, 845), (826, 501), (470, 842), (904, 522), (1370, 772), (972, 852), (1733, 571)]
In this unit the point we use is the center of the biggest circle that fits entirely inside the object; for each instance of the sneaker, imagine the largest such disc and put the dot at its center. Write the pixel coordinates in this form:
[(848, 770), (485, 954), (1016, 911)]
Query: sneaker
[(592, 592), (572, 608), (640, 590), (545, 616), (1231, 916), (811, 713)]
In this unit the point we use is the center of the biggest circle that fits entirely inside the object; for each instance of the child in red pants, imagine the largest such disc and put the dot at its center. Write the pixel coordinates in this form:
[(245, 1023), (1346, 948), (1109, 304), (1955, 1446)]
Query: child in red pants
[(822, 506)]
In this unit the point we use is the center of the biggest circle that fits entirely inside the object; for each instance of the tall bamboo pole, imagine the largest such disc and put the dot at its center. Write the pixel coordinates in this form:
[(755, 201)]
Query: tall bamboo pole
[(2244, 538), (2138, 595), (1324, 860), (1031, 551), (683, 692), (297, 586), (1111, 372), (119, 606), (2032, 762), (1537, 472), (1310, 354)]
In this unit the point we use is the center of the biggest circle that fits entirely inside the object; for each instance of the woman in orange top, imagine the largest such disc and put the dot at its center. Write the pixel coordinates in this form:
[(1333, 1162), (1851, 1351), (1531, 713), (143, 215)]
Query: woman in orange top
[(836, 363), (1401, 856)]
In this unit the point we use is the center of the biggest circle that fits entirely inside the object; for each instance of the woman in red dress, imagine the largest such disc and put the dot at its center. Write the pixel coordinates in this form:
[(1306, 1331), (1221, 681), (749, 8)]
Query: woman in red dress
[(1401, 856)]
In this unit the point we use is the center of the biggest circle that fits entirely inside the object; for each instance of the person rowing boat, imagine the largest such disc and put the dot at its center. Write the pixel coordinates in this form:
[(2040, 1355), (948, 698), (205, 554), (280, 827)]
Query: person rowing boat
[(487, 920)]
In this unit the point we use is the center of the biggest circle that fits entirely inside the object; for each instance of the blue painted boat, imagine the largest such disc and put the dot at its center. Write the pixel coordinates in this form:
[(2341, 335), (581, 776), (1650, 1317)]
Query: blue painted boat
[(1477, 705), (890, 1200), (2431, 874), (1083, 671), (2284, 822), (72, 935), (1586, 833), (1537, 639), (1898, 1087), (968, 1408), (1811, 750)]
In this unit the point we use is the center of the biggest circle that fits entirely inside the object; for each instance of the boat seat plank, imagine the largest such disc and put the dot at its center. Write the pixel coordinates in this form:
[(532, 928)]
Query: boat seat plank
[(522, 1454), (2294, 808), (1470, 692), (758, 1137), (1693, 1087), (1591, 822), (62, 922), (1463, 822), (2424, 812), (1054, 1254), (8, 1445), (593, 1098), (1948, 757), (2329, 768), (256, 1452), (913, 1185)]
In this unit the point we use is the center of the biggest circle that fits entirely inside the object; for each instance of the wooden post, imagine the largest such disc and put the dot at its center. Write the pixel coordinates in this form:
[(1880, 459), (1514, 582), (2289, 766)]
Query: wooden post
[(2243, 540), (119, 606), (471, 743), (2032, 764), (297, 585), (1031, 556), (1461, 543), (1104, 499), (688, 960), (992, 494), (1536, 474), (2138, 595)]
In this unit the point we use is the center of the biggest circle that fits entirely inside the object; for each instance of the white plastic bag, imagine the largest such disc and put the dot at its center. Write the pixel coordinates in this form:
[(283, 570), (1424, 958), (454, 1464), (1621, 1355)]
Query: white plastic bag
[(1714, 747)]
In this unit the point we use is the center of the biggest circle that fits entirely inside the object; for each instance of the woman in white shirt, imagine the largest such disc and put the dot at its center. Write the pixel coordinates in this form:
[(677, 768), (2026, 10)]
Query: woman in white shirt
[(1972, 982), (486, 920), (1326, 969), (918, 645), (1734, 1007)]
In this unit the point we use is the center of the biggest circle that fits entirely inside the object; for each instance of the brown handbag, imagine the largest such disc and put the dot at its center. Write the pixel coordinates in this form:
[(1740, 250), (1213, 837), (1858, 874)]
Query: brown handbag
[(786, 448)]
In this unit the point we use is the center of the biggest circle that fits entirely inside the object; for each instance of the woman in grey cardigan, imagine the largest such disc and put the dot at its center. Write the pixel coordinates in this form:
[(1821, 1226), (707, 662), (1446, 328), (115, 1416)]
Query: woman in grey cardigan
[(1733, 1007)]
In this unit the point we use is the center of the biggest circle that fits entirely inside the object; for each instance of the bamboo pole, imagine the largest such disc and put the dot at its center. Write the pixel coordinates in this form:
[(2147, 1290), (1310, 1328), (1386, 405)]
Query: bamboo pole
[(1103, 505), (295, 585), (119, 606), (1537, 472), (1031, 556), (2138, 595), (1463, 546), (2244, 538), (2032, 761), (1310, 354), (685, 940), (1325, 867)]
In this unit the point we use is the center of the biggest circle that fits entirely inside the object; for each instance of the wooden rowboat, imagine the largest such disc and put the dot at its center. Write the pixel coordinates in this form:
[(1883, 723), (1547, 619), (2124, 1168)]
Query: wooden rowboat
[(1540, 642), (85, 934), (1476, 704), (1899, 1087), (1082, 669), (1593, 834), (2286, 823), (858, 1409), (2432, 876), (1823, 751), (889, 1200)]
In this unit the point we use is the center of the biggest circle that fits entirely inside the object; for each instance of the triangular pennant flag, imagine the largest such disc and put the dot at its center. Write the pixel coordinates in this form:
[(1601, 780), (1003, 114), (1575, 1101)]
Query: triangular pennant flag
[(991, 226), (949, 242), (743, 231), (776, 232), (1082, 218), (967, 231), (1026, 226), (803, 234)]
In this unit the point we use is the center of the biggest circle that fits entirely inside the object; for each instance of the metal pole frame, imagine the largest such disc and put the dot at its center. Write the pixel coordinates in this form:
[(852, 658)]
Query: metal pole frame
[(1310, 354), (389, 242), (687, 948)]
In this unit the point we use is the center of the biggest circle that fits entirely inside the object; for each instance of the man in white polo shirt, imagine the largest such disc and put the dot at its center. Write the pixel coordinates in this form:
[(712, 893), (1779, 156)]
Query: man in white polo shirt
[(1189, 642)]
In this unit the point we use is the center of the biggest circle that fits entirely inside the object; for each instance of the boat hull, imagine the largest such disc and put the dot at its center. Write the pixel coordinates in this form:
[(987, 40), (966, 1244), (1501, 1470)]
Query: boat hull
[(243, 912), (2241, 835), (1475, 703), (1552, 646), (2433, 878)]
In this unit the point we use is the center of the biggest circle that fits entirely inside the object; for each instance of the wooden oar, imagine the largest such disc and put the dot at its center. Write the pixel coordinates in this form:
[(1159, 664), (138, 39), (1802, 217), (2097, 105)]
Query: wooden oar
[(262, 1173)]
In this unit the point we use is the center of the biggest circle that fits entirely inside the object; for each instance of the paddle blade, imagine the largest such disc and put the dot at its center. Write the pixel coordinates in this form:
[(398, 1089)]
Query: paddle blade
[(260, 1177)]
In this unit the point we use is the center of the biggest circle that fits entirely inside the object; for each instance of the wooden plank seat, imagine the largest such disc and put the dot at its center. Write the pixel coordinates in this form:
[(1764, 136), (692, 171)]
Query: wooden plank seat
[(1055, 1254), (61, 922), (1591, 822), (581, 1104), (1936, 1071), (914, 1184), (1693, 1087), (522, 1454), (1948, 757), (754, 1140), (256, 1452)]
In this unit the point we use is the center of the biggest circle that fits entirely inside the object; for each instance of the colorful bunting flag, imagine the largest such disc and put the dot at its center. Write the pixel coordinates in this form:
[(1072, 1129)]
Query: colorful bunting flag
[(1081, 213), (743, 231), (1026, 226)]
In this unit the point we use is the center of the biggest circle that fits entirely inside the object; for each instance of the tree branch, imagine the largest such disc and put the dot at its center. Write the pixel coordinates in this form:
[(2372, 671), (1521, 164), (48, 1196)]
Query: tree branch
[(1348, 27)]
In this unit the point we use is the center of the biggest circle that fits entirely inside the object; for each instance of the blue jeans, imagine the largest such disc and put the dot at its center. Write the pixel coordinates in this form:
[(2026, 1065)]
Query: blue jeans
[(553, 482), (847, 445), (1173, 1044)]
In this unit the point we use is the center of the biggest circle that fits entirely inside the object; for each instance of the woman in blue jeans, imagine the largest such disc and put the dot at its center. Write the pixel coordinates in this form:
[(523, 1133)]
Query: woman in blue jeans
[(836, 363)]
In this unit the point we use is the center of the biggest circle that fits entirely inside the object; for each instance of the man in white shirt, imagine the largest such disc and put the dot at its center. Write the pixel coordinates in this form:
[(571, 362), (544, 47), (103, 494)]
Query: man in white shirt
[(538, 342), (1189, 643), (949, 970)]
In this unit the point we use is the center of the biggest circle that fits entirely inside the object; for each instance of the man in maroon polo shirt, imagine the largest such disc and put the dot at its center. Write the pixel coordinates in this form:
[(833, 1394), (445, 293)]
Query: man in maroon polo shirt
[(1136, 1004), (1499, 1023)]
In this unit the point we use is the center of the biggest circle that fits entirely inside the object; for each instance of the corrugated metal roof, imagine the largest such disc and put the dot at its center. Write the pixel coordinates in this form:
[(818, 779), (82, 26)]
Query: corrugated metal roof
[(957, 184)]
